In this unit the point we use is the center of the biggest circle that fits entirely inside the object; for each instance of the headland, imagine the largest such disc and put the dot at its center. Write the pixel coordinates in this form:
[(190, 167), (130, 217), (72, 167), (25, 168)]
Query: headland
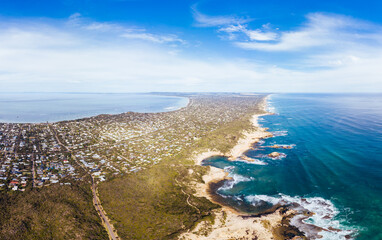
[(229, 222)]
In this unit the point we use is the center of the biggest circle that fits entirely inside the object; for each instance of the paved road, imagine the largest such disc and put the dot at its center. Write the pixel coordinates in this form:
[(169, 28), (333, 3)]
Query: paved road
[(33, 171), (96, 201), (99, 208)]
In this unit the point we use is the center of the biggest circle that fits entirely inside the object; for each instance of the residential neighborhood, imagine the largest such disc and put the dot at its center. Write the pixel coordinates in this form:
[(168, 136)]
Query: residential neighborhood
[(37, 155)]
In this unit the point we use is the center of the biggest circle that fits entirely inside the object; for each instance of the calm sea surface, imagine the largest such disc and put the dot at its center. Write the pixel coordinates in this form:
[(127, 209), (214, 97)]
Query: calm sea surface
[(52, 107), (335, 163)]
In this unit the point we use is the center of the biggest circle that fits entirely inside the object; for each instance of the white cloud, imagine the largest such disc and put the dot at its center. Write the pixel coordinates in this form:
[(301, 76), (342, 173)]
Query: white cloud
[(259, 35), (103, 27), (331, 53), (252, 35), (323, 41), (322, 30), (153, 37), (233, 28), (234, 25), (130, 32), (203, 20), (50, 57)]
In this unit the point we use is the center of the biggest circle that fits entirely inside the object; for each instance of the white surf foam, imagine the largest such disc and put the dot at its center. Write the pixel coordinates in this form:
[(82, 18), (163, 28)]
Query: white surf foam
[(270, 108), (280, 133), (235, 179), (260, 142), (253, 161), (323, 217)]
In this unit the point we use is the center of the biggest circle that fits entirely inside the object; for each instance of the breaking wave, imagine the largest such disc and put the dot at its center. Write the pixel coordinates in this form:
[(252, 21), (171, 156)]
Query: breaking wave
[(252, 161), (235, 179), (317, 216), (279, 133), (270, 108)]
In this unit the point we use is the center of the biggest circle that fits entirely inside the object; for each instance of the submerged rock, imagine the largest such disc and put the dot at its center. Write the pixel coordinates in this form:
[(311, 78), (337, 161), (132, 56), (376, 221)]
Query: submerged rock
[(274, 155), (282, 147)]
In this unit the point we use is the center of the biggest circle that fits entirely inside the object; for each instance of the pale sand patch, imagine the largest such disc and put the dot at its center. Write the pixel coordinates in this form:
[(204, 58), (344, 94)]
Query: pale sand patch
[(246, 143), (214, 175), (201, 156), (228, 225), (249, 138)]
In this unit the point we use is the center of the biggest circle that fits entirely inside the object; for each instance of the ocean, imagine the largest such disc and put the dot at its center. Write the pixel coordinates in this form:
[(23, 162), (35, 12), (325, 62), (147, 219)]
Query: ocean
[(332, 164), (53, 107)]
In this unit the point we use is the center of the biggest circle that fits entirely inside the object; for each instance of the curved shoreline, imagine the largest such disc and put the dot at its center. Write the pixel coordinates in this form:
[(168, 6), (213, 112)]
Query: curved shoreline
[(245, 143), (282, 219), (229, 222)]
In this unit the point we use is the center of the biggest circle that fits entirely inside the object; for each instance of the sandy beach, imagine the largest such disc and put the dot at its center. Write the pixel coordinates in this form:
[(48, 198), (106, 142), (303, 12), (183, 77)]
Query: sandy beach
[(230, 224), (243, 145), (201, 156), (250, 138)]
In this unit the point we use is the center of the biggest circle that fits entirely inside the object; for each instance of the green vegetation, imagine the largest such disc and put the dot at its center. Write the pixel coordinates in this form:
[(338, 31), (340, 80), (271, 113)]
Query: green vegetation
[(150, 205), (140, 161), (225, 138), (207, 222), (53, 212)]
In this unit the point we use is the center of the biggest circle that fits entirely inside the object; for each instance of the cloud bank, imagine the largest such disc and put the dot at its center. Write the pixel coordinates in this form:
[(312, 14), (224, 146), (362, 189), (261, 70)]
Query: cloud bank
[(81, 55)]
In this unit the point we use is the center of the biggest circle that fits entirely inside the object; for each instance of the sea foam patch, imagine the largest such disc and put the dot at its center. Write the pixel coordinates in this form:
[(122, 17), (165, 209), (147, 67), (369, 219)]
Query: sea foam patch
[(260, 119), (251, 161), (235, 179), (321, 218), (280, 133), (270, 108)]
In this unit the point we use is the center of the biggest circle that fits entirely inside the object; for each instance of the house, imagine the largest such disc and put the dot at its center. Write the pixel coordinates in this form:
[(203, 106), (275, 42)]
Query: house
[(14, 182)]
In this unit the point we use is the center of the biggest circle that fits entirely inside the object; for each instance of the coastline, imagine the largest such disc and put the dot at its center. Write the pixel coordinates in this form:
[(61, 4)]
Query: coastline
[(244, 144), (250, 138), (229, 223), (232, 221)]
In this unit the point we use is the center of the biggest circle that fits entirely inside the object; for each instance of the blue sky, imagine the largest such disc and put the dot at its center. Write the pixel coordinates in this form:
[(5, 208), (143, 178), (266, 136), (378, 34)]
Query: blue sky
[(141, 46)]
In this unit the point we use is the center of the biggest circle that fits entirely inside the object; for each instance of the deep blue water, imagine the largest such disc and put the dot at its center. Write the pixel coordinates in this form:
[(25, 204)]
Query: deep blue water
[(335, 162), (52, 107)]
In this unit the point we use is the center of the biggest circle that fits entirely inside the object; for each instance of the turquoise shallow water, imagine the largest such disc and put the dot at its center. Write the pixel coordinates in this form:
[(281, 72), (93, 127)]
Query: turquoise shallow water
[(52, 107), (335, 164)]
